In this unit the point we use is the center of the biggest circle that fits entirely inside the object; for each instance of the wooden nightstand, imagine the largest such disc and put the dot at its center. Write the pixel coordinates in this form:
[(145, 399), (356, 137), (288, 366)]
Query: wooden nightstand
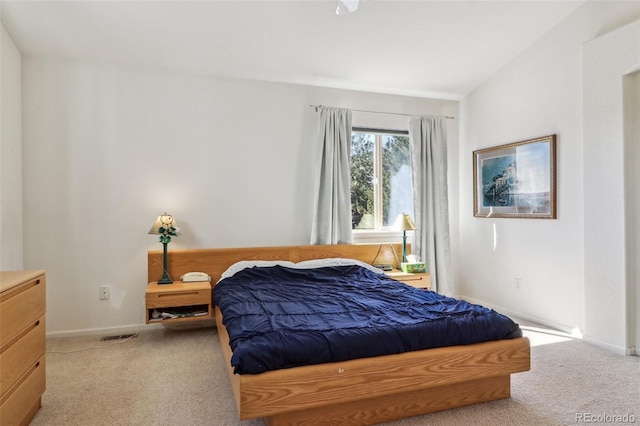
[(418, 279), (178, 302)]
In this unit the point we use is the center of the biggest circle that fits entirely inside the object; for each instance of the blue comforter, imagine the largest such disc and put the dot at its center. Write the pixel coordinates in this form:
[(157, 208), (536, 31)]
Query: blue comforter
[(280, 317)]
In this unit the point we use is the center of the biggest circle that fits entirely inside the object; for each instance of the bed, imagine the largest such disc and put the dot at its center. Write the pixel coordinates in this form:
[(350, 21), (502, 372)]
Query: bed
[(356, 391)]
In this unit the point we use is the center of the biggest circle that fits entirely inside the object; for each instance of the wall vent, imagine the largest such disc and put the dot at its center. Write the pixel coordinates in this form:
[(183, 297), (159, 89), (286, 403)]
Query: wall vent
[(119, 337)]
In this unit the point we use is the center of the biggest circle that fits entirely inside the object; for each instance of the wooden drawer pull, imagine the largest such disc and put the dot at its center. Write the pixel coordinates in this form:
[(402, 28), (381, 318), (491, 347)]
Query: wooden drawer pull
[(185, 293)]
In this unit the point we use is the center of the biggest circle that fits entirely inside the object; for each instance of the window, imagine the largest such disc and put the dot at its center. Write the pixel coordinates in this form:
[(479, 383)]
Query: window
[(381, 186)]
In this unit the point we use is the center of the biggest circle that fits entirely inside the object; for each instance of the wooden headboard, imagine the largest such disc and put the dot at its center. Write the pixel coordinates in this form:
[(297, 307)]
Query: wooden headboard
[(215, 261)]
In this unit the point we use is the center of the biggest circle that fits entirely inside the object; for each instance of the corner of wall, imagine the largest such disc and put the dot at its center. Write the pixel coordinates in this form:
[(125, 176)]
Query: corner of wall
[(606, 60), (11, 217)]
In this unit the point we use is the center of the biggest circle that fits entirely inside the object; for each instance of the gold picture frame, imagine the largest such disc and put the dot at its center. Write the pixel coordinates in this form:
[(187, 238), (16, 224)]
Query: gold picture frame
[(516, 180)]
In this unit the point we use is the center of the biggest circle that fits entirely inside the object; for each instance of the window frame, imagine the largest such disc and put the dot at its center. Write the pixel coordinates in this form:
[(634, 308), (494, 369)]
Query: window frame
[(380, 233)]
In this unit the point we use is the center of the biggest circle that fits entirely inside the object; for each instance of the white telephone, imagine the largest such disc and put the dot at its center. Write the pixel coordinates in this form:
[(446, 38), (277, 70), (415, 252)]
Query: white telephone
[(191, 277)]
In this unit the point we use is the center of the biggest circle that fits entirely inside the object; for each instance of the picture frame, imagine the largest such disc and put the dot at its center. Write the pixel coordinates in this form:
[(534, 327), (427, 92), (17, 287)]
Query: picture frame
[(516, 180)]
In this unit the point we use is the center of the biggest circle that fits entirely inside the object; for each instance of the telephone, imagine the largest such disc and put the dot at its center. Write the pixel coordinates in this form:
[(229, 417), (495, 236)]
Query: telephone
[(190, 277)]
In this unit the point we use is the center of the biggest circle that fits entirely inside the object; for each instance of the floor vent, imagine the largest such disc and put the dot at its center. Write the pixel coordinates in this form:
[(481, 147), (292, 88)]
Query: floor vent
[(119, 337)]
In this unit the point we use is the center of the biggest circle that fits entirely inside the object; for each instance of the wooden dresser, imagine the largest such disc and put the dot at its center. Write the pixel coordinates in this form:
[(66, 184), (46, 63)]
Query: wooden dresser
[(22, 345)]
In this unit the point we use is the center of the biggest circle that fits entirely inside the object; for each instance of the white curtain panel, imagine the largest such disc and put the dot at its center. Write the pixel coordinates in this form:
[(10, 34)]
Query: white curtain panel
[(428, 137), (332, 207)]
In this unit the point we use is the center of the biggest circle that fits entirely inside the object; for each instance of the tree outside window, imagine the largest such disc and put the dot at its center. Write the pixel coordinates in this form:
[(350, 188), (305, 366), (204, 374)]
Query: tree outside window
[(381, 185)]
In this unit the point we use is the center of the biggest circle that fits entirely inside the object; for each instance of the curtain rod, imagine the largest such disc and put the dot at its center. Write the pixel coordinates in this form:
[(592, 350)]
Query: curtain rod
[(379, 112)]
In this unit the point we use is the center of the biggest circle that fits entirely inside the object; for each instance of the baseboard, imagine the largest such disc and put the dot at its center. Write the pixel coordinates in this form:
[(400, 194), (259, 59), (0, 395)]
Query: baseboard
[(511, 313), (106, 331), (618, 350)]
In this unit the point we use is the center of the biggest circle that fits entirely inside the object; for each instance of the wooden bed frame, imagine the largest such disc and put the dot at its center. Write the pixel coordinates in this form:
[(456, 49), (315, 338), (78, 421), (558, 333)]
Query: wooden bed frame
[(360, 391)]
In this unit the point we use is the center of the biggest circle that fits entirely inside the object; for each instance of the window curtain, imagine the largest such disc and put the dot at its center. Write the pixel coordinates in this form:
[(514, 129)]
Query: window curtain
[(332, 207), (428, 136)]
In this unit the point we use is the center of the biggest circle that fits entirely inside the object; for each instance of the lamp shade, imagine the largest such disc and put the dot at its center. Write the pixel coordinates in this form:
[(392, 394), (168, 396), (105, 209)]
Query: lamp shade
[(163, 221), (404, 223)]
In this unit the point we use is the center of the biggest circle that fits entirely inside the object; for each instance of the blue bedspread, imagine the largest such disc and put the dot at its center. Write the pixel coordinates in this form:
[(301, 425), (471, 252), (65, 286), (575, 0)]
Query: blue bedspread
[(280, 317)]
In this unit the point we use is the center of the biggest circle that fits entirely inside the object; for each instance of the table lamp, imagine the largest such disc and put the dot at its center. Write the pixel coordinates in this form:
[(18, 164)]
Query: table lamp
[(165, 226), (404, 223)]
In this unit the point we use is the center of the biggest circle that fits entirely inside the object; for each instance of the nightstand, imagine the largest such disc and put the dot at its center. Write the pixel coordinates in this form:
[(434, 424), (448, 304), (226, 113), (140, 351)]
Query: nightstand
[(178, 302), (418, 279)]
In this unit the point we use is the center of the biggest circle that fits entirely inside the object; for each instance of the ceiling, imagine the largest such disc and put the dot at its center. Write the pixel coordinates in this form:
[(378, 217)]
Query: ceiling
[(436, 49)]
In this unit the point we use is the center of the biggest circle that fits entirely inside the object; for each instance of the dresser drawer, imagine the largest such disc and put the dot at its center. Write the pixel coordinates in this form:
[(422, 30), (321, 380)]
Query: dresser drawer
[(20, 406), (17, 359), (185, 297), (21, 306)]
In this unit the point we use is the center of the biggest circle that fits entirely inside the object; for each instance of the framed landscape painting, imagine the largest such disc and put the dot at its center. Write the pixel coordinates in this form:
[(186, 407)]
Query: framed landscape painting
[(516, 180)]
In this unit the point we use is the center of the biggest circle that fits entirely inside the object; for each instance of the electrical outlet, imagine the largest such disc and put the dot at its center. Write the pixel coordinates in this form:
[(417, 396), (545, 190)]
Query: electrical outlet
[(105, 292), (517, 282)]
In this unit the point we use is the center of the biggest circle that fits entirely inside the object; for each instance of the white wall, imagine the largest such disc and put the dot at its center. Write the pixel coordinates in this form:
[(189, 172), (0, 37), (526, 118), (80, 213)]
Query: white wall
[(537, 94), (107, 148), (11, 256), (606, 61)]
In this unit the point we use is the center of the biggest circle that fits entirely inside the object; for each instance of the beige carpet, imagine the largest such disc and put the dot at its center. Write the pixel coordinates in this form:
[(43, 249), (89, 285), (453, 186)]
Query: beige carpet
[(165, 377)]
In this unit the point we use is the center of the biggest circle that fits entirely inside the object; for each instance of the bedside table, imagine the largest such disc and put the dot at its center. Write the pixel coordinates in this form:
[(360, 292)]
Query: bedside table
[(418, 279), (178, 302)]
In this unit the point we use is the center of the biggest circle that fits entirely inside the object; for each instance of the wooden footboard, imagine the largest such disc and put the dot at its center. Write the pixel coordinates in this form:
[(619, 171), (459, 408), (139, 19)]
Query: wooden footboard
[(379, 389)]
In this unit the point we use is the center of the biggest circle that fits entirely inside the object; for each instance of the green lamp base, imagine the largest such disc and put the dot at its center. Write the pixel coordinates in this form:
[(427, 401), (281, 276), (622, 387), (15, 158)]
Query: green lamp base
[(166, 279)]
